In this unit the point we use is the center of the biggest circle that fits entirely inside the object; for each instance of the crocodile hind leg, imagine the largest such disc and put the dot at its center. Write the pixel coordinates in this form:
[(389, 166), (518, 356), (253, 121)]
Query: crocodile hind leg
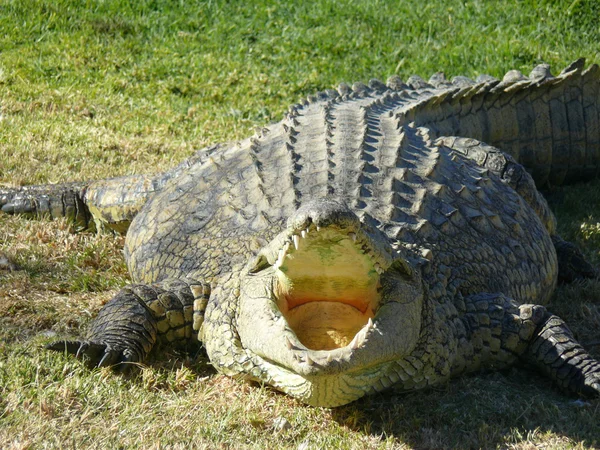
[(572, 265), (110, 204), (48, 201), (555, 352), (496, 332), (136, 319)]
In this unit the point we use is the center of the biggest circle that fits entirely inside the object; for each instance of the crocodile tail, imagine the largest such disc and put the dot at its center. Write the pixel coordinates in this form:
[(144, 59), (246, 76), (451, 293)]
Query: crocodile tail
[(110, 204), (550, 124), (91, 205), (113, 203)]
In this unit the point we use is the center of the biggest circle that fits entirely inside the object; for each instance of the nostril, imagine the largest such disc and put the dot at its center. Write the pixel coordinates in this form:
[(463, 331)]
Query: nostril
[(324, 213)]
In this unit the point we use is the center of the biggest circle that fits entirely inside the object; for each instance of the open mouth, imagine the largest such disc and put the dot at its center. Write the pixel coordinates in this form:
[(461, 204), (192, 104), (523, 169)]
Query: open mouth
[(328, 305), (327, 286)]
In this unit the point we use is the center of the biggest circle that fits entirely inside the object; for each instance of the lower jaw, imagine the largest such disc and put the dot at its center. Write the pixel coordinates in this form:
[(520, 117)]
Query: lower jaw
[(326, 325)]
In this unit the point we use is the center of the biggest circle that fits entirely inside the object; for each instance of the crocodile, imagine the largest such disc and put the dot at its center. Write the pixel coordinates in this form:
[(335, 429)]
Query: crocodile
[(382, 235)]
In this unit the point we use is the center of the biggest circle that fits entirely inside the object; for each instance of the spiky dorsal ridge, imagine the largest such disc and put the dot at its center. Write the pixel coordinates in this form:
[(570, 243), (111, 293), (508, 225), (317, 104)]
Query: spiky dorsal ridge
[(457, 85), (548, 123), (512, 83)]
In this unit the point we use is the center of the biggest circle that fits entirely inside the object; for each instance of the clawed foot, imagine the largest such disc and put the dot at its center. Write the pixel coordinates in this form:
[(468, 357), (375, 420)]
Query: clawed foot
[(97, 354), (591, 385), (572, 265)]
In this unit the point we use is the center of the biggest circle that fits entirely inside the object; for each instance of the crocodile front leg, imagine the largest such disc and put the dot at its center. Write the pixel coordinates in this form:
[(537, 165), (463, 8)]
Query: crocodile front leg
[(138, 317)]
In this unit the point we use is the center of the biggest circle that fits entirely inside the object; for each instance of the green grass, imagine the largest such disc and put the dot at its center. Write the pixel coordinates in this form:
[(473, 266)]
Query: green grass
[(104, 88)]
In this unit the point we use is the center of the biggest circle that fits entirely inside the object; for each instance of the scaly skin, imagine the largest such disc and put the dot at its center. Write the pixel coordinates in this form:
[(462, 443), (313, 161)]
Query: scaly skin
[(368, 240)]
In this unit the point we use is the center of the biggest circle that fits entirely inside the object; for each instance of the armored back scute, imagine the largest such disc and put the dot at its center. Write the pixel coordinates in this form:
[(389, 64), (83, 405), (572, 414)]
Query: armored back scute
[(549, 124)]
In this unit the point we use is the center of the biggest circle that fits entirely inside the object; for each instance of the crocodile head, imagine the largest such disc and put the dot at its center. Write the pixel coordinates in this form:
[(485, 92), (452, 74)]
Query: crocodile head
[(327, 306)]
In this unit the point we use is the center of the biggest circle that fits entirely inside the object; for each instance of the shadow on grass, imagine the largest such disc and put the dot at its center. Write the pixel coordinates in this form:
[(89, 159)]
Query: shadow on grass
[(487, 410), (493, 409), (166, 359)]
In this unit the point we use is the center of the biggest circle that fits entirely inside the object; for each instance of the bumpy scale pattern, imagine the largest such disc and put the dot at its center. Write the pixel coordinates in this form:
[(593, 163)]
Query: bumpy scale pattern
[(356, 145)]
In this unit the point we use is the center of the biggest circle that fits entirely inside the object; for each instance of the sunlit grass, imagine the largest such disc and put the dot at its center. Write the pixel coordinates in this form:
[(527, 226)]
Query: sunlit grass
[(104, 88)]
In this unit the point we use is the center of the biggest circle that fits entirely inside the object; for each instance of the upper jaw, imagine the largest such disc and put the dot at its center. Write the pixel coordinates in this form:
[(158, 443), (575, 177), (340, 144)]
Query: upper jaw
[(331, 214), (291, 240)]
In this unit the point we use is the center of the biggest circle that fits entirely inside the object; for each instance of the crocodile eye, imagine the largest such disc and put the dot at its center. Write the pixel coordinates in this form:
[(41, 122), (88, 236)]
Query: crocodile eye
[(260, 264)]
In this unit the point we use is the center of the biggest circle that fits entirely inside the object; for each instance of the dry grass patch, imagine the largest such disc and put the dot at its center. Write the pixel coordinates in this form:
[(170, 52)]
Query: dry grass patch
[(47, 399), (121, 88)]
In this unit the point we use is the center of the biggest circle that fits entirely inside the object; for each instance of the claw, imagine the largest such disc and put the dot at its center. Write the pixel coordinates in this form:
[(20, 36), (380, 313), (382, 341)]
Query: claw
[(81, 350), (89, 351), (127, 362), (108, 359), (70, 347), (98, 354)]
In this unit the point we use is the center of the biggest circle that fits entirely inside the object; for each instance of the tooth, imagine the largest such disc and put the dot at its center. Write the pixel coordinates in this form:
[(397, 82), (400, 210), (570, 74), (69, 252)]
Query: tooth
[(304, 233), (286, 247), (329, 357), (359, 338), (378, 269), (369, 324), (356, 341), (279, 261), (309, 360), (352, 236), (288, 343), (296, 239), (318, 228)]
